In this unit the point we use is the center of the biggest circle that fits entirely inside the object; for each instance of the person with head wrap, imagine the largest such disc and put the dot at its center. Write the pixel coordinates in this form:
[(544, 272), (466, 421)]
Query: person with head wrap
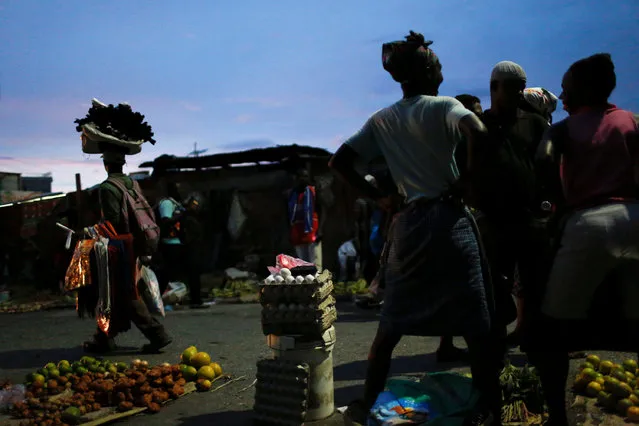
[(541, 101), (589, 302), (434, 280), (508, 193)]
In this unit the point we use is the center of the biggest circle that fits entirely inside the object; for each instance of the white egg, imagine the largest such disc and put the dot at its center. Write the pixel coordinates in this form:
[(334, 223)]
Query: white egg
[(309, 279), (279, 280), (282, 307), (292, 307), (289, 280), (269, 280), (285, 272), (299, 279)]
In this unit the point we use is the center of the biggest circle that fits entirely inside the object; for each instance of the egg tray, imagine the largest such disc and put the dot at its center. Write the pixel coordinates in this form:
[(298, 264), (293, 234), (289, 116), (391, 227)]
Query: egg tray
[(305, 294), (281, 392), (292, 326), (312, 312)]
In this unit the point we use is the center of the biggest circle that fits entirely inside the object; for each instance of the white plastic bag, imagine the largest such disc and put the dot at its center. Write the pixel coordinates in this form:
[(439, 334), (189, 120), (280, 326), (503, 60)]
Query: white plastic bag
[(10, 396), (176, 292), (149, 288)]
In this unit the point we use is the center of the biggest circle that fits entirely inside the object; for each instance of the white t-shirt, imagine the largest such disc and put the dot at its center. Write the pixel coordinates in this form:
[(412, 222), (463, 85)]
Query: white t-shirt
[(417, 137)]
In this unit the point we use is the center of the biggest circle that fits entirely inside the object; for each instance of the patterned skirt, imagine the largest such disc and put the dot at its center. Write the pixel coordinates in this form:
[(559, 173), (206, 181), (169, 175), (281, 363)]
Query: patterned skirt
[(435, 273)]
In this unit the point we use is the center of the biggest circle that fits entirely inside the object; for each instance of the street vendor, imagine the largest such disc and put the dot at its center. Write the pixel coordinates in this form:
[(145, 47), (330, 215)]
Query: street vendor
[(125, 233), (435, 283)]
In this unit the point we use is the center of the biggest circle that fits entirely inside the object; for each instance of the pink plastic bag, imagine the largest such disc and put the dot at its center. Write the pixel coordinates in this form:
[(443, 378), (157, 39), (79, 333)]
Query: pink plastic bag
[(286, 261)]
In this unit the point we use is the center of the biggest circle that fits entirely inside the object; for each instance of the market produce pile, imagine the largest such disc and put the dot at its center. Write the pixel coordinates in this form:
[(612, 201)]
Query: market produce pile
[(351, 288), (523, 398), (62, 393), (615, 386)]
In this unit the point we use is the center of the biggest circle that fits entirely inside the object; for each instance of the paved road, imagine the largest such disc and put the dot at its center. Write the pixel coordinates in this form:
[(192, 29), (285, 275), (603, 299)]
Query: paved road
[(230, 333)]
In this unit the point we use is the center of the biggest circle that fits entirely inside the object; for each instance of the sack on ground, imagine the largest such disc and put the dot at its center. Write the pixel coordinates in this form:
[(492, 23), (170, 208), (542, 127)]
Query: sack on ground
[(149, 289)]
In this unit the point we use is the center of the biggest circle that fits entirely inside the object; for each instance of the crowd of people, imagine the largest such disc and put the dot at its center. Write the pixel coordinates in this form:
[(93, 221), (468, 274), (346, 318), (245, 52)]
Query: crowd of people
[(496, 203)]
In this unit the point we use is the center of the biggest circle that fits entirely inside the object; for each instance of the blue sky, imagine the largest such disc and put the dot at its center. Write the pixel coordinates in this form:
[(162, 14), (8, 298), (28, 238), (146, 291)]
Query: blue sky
[(251, 73)]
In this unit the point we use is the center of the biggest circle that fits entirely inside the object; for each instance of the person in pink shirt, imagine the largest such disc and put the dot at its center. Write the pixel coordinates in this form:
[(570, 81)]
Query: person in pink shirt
[(598, 252)]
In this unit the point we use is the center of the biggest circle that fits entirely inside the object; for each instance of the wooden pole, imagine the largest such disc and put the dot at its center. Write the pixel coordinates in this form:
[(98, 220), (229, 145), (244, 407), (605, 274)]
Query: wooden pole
[(78, 196)]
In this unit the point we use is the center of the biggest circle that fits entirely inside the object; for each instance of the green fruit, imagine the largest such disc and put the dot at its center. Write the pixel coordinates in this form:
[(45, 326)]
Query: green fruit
[(71, 415), (65, 370), (585, 365), (112, 369), (50, 366), (81, 371), (86, 360), (54, 373), (44, 372), (93, 368), (619, 374), (63, 362), (122, 366), (102, 370)]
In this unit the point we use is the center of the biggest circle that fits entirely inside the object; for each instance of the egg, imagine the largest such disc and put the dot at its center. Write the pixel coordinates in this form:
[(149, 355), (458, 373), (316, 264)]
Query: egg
[(309, 279), (285, 272), (279, 280), (269, 280), (282, 307), (299, 279), (289, 280)]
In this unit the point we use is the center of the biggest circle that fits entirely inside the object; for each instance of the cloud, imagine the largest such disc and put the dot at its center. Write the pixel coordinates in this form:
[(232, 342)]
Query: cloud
[(190, 106), (244, 118)]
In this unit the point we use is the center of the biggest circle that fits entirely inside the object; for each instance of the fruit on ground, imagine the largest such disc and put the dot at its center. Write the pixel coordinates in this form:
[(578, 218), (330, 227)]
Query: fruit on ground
[(593, 389), (619, 374), (590, 373), (200, 359), (633, 414), (206, 372), (630, 365), (204, 385), (188, 354), (217, 368), (610, 383), (594, 360), (585, 365), (605, 367), (190, 373), (623, 406)]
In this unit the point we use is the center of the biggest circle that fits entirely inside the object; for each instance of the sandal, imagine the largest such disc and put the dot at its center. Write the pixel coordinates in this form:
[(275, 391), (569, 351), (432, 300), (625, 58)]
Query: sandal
[(356, 414)]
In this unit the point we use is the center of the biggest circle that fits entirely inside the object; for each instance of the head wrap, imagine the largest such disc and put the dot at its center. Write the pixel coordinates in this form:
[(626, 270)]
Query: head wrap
[(541, 99), (508, 70), (113, 157), (411, 60)]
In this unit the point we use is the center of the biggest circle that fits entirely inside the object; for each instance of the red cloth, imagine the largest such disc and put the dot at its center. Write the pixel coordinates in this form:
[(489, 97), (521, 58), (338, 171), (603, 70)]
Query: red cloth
[(298, 235), (597, 164)]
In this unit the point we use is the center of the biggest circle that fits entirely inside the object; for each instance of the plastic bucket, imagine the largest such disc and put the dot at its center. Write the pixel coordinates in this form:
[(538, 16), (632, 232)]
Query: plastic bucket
[(319, 356)]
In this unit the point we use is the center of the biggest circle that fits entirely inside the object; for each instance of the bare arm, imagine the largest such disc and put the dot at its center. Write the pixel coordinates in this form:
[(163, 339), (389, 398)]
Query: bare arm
[(343, 163), (475, 133)]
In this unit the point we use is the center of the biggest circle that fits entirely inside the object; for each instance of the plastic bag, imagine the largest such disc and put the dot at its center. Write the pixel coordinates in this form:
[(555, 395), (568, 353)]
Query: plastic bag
[(175, 293), (11, 395), (149, 288), (79, 272)]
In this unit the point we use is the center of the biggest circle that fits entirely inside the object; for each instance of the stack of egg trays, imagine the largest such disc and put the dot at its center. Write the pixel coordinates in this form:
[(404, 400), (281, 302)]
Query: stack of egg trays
[(281, 394), (313, 293), (308, 322)]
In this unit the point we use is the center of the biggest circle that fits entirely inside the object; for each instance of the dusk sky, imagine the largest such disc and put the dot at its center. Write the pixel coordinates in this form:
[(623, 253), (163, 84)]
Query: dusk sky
[(249, 73)]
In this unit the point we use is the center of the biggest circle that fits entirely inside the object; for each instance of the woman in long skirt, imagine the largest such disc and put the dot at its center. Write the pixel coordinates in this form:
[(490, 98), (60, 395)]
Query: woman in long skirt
[(434, 277)]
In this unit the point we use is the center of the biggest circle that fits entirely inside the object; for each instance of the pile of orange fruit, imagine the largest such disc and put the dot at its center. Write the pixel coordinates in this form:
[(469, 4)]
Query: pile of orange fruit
[(615, 386)]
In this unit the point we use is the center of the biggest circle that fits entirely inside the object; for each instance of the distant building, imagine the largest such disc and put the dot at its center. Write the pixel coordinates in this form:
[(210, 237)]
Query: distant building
[(37, 183), (9, 181)]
